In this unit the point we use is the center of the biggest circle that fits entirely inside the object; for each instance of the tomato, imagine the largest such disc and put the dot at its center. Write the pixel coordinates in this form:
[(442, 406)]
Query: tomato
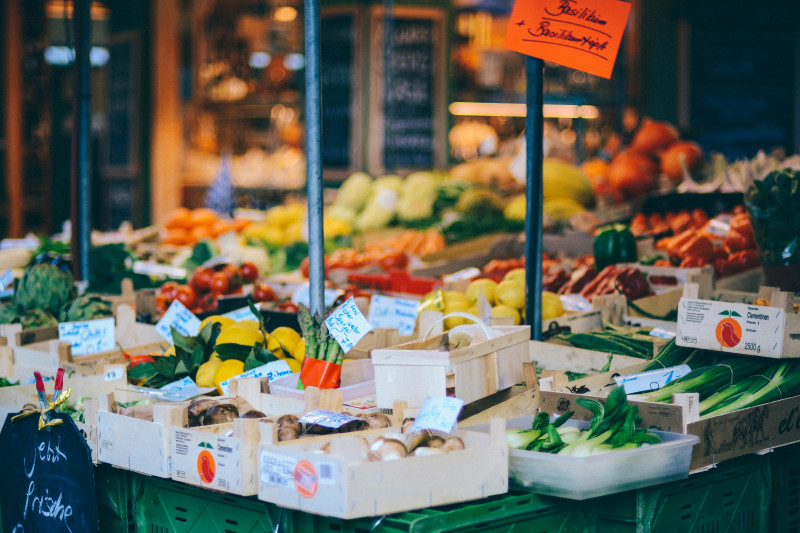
[(200, 279), (697, 247), (393, 261), (207, 303), (186, 295), (219, 284), (287, 306), (169, 290), (249, 272), (234, 276), (262, 292)]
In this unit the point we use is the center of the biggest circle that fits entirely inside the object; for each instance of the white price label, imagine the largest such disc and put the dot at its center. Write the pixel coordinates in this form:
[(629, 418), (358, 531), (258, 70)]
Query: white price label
[(394, 313), (272, 370), (91, 336), (277, 469), (652, 380), (180, 318), (347, 325), (114, 374), (440, 414), (158, 270)]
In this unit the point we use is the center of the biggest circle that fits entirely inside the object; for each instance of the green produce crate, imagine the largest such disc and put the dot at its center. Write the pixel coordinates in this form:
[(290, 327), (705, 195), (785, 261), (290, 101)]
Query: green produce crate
[(784, 515), (113, 491), (731, 498), (498, 514), (164, 506)]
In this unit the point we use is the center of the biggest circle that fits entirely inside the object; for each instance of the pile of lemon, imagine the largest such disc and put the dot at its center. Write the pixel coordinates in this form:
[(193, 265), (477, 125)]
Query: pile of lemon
[(284, 343), (506, 298)]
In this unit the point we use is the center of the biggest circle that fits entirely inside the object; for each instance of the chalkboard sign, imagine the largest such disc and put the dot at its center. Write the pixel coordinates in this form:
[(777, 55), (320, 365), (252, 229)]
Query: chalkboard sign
[(741, 77), (121, 143), (339, 79), (48, 482), (411, 118)]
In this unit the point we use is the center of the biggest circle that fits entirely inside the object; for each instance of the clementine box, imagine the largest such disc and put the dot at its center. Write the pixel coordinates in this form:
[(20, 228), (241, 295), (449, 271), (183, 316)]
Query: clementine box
[(771, 330)]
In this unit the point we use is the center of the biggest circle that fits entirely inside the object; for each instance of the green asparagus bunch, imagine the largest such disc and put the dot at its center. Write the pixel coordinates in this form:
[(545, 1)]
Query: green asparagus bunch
[(319, 344)]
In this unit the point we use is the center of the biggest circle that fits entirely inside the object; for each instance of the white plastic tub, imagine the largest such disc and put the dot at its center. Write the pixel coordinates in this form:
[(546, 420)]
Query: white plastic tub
[(581, 478), (358, 381)]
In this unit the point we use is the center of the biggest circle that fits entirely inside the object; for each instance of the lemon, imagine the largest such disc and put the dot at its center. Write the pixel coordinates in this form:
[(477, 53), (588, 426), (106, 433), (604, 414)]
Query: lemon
[(287, 337), (240, 335), (249, 324), (505, 311), (488, 286), (510, 293), (455, 298), (206, 371), (516, 274), (170, 351), (226, 370), (223, 321), (294, 364), (551, 305), (299, 352), (294, 233), (453, 321)]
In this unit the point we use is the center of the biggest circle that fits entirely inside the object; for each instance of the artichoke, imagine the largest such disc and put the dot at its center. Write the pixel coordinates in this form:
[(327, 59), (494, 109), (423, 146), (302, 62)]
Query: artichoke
[(35, 318), (85, 308), (44, 286), (7, 313)]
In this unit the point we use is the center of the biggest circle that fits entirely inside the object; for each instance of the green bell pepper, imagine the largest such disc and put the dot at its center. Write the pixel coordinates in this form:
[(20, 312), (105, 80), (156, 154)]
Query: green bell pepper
[(613, 244)]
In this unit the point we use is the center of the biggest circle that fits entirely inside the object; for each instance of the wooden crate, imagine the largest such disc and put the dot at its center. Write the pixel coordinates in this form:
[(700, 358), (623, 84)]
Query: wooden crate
[(722, 437), (39, 349), (231, 450), (13, 399), (761, 331), (376, 339), (339, 484), (418, 370)]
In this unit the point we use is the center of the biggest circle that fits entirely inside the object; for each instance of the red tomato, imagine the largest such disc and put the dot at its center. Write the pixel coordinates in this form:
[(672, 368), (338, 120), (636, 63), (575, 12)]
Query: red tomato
[(262, 292), (287, 306), (207, 302), (249, 272), (200, 279), (393, 261), (219, 284), (234, 276), (169, 290), (186, 296)]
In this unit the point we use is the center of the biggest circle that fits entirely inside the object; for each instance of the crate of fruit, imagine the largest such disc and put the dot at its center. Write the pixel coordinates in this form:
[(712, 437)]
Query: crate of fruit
[(349, 476), (469, 362)]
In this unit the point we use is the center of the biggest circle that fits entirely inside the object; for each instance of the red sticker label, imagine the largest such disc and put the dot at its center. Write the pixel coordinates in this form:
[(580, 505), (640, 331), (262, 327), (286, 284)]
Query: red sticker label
[(206, 466), (729, 332), (305, 479)]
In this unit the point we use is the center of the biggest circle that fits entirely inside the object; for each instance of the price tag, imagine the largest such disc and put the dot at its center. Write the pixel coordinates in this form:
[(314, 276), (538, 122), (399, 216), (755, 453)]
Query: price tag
[(347, 325), (662, 333), (720, 225), (652, 380), (180, 318), (158, 270), (303, 296), (88, 337), (328, 419), (243, 314), (7, 284), (277, 469), (440, 414), (26, 244), (272, 370), (580, 34), (114, 374), (399, 313)]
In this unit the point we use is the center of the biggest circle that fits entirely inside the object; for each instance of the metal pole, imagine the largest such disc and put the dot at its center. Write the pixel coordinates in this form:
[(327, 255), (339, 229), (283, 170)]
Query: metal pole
[(316, 257), (80, 201), (534, 137)]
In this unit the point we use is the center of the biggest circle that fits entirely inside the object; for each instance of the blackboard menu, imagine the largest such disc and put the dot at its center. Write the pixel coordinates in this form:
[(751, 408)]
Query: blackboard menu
[(337, 79), (48, 482), (409, 132), (741, 78)]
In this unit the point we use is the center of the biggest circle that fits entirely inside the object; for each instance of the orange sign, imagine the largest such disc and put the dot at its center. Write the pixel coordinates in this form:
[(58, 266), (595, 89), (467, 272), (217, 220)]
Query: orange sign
[(580, 34), (305, 479), (206, 466), (729, 332)]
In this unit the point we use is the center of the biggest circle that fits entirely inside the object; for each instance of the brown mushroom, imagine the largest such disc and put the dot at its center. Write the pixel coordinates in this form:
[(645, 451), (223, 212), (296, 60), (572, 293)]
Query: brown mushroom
[(453, 443), (219, 414), (253, 413), (288, 433)]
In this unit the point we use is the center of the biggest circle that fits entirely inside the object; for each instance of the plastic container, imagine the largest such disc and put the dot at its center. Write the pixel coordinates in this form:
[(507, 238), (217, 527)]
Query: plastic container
[(580, 478), (784, 512), (358, 381)]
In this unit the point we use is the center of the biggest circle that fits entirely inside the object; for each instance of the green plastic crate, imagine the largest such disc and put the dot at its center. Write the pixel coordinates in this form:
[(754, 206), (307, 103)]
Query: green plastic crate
[(112, 491), (731, 498), (498, 514), (784, 515), (164, 506)]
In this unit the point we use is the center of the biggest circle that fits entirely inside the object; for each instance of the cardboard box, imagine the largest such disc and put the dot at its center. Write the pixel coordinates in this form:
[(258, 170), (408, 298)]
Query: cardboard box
[(341, 484), (742, 328)]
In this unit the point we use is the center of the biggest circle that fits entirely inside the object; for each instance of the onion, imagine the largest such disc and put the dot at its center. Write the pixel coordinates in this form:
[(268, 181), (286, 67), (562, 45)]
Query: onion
[(671, 159), (653, 136)]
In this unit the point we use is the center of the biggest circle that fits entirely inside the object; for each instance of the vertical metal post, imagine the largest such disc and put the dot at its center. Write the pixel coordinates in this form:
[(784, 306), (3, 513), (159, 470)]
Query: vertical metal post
[(534, 136), (316, 257), (81, 139)]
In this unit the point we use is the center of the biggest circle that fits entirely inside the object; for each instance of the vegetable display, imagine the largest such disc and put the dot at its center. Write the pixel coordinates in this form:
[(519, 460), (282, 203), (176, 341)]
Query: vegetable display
[(774, 207), (613, 244), (613, 427), (621, 340)]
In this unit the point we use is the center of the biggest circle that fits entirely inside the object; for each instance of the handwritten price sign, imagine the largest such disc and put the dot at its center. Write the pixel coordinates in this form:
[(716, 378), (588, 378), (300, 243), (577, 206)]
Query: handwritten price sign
[(91, 336), (439, 414), (395, 313), (180, 318), (581, 34), (347, 325)]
